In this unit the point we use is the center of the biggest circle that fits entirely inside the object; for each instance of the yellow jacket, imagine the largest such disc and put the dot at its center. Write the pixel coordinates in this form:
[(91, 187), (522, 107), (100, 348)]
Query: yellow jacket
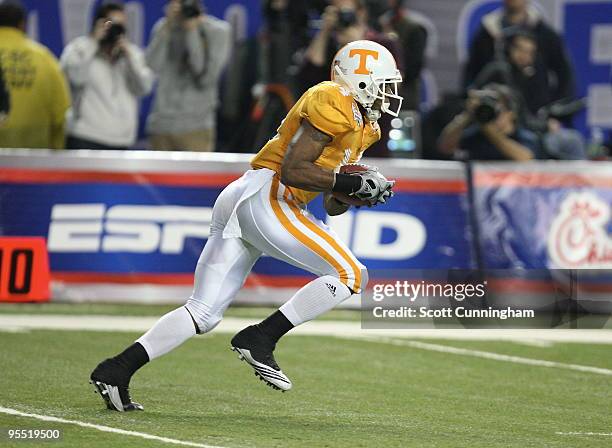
[(38, 91)]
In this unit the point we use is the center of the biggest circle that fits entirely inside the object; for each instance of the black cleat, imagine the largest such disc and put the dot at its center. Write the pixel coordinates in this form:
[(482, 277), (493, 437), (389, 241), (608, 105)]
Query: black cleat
[(113, 387), (254, 347)]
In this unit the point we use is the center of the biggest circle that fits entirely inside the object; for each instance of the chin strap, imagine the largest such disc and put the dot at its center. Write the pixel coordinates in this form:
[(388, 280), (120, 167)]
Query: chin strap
[(372, 114)]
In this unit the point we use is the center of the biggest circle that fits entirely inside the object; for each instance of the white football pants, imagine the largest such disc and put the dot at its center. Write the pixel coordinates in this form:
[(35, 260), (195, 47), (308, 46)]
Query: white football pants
[(270, 222)]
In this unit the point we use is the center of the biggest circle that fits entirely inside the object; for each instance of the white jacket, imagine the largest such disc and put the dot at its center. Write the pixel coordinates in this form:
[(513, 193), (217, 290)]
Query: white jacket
[(104, 94)]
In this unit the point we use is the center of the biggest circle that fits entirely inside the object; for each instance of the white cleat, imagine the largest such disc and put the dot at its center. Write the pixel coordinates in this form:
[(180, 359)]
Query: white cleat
[(108, 383), (110, 395), (274, 378)]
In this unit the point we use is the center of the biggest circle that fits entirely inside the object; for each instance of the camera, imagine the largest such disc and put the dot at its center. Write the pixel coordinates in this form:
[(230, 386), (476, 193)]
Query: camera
[(190, 9), (489, 107), (114, 32), (346, 18)]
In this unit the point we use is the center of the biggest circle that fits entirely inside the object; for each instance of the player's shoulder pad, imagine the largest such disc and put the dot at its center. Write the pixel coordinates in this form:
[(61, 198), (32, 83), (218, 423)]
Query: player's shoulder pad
[(330, 108)]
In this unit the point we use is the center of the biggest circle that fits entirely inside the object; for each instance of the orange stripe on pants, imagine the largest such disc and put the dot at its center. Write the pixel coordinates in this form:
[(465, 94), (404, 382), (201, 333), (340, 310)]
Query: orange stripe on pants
[(305, 240), (328, 239)]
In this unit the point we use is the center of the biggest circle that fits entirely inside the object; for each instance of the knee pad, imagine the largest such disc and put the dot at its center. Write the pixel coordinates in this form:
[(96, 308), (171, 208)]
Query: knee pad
[(202, 315), (350, 279)]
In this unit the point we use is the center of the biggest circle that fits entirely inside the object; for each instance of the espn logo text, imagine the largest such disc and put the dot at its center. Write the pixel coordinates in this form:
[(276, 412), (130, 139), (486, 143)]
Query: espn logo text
[(93, 228), (364, 231), (125, 228)]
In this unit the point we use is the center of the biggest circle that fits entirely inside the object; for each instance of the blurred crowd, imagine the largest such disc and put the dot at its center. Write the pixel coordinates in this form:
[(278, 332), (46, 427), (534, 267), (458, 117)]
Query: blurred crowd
[(516, 101)]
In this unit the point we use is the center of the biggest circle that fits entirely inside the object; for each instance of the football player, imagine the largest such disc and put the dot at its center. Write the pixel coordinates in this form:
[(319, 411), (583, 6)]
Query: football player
[(265, 212)]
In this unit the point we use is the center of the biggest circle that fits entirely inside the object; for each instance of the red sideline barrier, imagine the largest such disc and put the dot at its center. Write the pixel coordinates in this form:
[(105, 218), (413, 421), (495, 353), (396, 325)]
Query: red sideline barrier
[(24, 270)]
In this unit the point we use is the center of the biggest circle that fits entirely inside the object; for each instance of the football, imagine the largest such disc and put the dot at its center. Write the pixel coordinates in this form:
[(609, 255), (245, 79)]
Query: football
[(345, 198)]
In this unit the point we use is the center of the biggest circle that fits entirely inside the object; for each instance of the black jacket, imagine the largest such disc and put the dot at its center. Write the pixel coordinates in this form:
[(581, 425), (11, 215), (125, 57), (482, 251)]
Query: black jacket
[(552, 57), (530, 91)]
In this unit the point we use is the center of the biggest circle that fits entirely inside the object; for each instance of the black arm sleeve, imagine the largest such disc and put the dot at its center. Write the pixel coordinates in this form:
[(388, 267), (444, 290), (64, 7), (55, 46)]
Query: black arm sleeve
[(346, 183)]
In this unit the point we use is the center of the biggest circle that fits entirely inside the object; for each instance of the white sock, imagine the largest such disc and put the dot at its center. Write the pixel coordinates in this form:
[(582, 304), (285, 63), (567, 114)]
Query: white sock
[(314, 299), (168, 333)]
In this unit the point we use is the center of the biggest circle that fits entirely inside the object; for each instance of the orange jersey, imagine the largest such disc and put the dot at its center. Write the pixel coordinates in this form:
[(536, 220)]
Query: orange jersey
[(331, 109)]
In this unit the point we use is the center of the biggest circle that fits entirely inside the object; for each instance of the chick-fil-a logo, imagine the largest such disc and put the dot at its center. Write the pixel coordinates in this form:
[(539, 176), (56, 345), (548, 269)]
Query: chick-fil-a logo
[(578, 237)]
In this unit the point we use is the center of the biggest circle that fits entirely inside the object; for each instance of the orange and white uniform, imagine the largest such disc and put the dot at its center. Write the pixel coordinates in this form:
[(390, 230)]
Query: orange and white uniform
[(331, 109), (257, 214)]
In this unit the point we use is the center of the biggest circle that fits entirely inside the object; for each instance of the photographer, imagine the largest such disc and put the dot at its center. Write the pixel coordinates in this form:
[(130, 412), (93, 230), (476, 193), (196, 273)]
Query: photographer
[(188, 52), (518, 71), (516, 68), (551, 60), (343, 21), (107, 75), (488, 128)]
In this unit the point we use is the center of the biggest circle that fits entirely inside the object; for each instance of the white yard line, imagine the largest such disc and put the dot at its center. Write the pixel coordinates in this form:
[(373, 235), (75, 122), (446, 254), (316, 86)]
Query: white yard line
[(342, 329), (541, 337), (493, 356), (604, 434), (142, 435)]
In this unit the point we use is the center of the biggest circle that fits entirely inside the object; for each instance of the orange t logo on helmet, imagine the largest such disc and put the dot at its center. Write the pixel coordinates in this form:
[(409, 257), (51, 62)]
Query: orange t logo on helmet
[(363, 57)]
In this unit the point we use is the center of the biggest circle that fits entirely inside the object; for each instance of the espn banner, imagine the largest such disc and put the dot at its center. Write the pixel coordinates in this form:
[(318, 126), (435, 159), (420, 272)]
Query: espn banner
[(131, 225)]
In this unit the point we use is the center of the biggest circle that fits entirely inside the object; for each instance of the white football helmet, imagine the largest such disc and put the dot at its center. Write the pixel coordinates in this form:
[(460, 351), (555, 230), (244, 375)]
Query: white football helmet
[(369, 72)]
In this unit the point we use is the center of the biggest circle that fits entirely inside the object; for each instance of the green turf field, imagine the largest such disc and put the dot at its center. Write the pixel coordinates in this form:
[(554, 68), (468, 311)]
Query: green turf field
[(347, 393)]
